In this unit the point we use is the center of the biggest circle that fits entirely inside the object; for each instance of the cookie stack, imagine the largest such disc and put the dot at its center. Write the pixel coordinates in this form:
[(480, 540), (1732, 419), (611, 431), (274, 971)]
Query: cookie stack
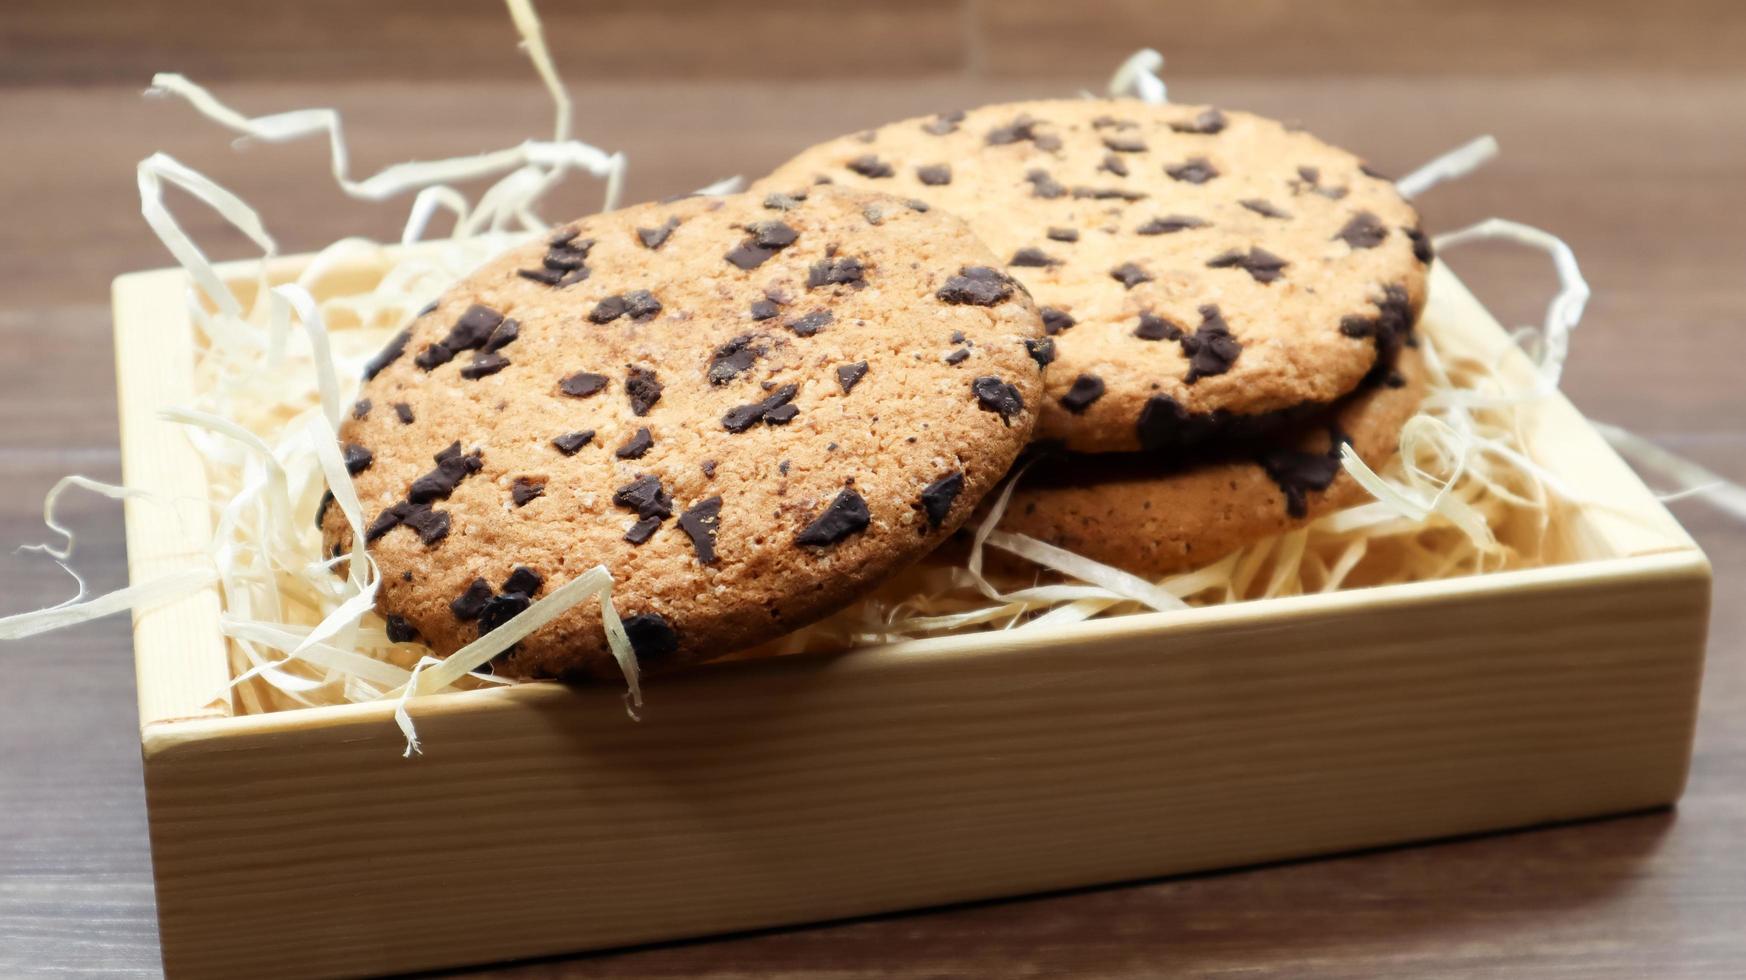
[(754, 409)]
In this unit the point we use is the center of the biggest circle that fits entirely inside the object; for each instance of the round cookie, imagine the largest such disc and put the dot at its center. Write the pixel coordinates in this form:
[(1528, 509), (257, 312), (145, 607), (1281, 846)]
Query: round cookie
[(1206, 274), (750, 412), (1137, 514)]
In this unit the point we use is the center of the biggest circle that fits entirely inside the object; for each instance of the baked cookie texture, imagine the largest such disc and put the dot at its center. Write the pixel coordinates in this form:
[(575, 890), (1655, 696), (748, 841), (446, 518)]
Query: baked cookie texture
[(1206, 275), (1153, 518), (749, 410)]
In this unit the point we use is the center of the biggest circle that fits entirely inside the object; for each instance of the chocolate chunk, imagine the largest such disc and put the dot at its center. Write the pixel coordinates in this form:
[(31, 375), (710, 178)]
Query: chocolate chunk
[(545, 277), (1365, 230), (920, 207), (1114, 164), (386, 520), (1063, 234), (501, 609), (995, 395), (1032, 257), (1421, 244), (389, 353), (849, 375), (1195, 170), (1047, 142), (657, 236), (976, 285), (1389, 329), (358, 459), (524, 580), (958, 356), (1212, 349), (934, 175), (1043, 185), (708, 468), (1108, 194), (1086, 389), (641, 304), (733, 358), (810, 324), (1310, 176), (845, 515), (1170, 225), (946, 122), (563, 236), (1111, 122), (361, 409), (637, 446), (1209, 121), (1297, 472), (433, 356), (699, 524), (473, 328), (766, 238), (321, 508), (399, 630), (1130, 275), (404, 412), (607, 310), (1055, 321), (643, 388), (645, 496), (781, 415), (472, 602), (959, 337), (525, 489), (430, 525), (836, 272), (1263, 208), (503, 336), (484, 365), (452, 467), (1020, 129), (582, 384), (1259, 263), (570, 443), (743, 417), (1154, 327), (764, 309), (643, 530), (1041, 349), (870, 166), (651, 638), (937, 497), (1125, 144)]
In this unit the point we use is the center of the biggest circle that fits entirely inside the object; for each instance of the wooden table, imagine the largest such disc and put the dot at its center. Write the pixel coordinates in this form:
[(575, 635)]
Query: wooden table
[(1626, 140)]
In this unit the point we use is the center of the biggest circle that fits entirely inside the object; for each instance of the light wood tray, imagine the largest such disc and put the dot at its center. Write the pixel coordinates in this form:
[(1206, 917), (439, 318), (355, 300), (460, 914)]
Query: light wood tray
[(541, 820)]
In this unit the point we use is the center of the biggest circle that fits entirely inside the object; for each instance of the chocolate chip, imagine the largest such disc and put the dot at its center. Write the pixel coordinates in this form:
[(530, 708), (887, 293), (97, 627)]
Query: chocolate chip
[(650, 637), (1114, 164), (1154, 327), (1063, 234), (582, 384), (470, 331), (565, 261), (1195, 170), (637, 446), (570, 443), (764, 309), (607, 310), (1263, 208), (810, 324), (404, 411), (708, 468), (1047, 142), (1043, 185), (1108, 194), (1209, 121), (1130, 275), (945, 122), (1086, 389), (733, 358), (503, 336), (563, 236), (399, 630), (1212, 349), (469, 604), (433, 356), (836, 272), (1055, 321), (643, 388), (525, 489), (361, 408), (452, 467), (1125, 144), (1421, 244), (389, 353), (643, 530), (958, 356), (1259, 263), (845, 515), (322, 506), (765, 239), (1032, 257), (484, 365), (358, 459), (849, 375), (645, 496), (1365, 230), (1020, 129), (995, 395), (743, 417), (387, 519), (501, 609), (1297, 472), (699, 524), (959, 337), (976, 285), (1170, 225), (430, 525), (1041, 349), (781, 415), (920, 207), (934, 175), (1389, 329), (937, 497), (870, 166), (657, 236), (524, 580), (1111, 122)]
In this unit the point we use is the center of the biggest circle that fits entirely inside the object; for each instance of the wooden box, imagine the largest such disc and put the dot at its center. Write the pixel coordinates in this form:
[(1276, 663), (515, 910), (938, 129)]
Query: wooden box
[(541, 820)]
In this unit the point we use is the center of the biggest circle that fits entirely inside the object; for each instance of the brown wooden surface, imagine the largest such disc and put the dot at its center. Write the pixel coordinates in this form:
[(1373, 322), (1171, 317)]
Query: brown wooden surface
[(1622, 131)]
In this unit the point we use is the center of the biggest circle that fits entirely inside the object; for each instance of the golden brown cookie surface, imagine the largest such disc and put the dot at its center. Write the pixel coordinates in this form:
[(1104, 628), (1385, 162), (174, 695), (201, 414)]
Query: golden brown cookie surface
[(748, 413), (1205, 274)]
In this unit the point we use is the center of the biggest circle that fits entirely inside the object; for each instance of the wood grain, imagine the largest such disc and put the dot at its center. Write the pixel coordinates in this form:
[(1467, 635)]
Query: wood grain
[(1618, 133)]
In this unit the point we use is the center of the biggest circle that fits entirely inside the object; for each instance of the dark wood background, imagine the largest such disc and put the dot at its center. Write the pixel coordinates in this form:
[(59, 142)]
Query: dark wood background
[(1622, 126)]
